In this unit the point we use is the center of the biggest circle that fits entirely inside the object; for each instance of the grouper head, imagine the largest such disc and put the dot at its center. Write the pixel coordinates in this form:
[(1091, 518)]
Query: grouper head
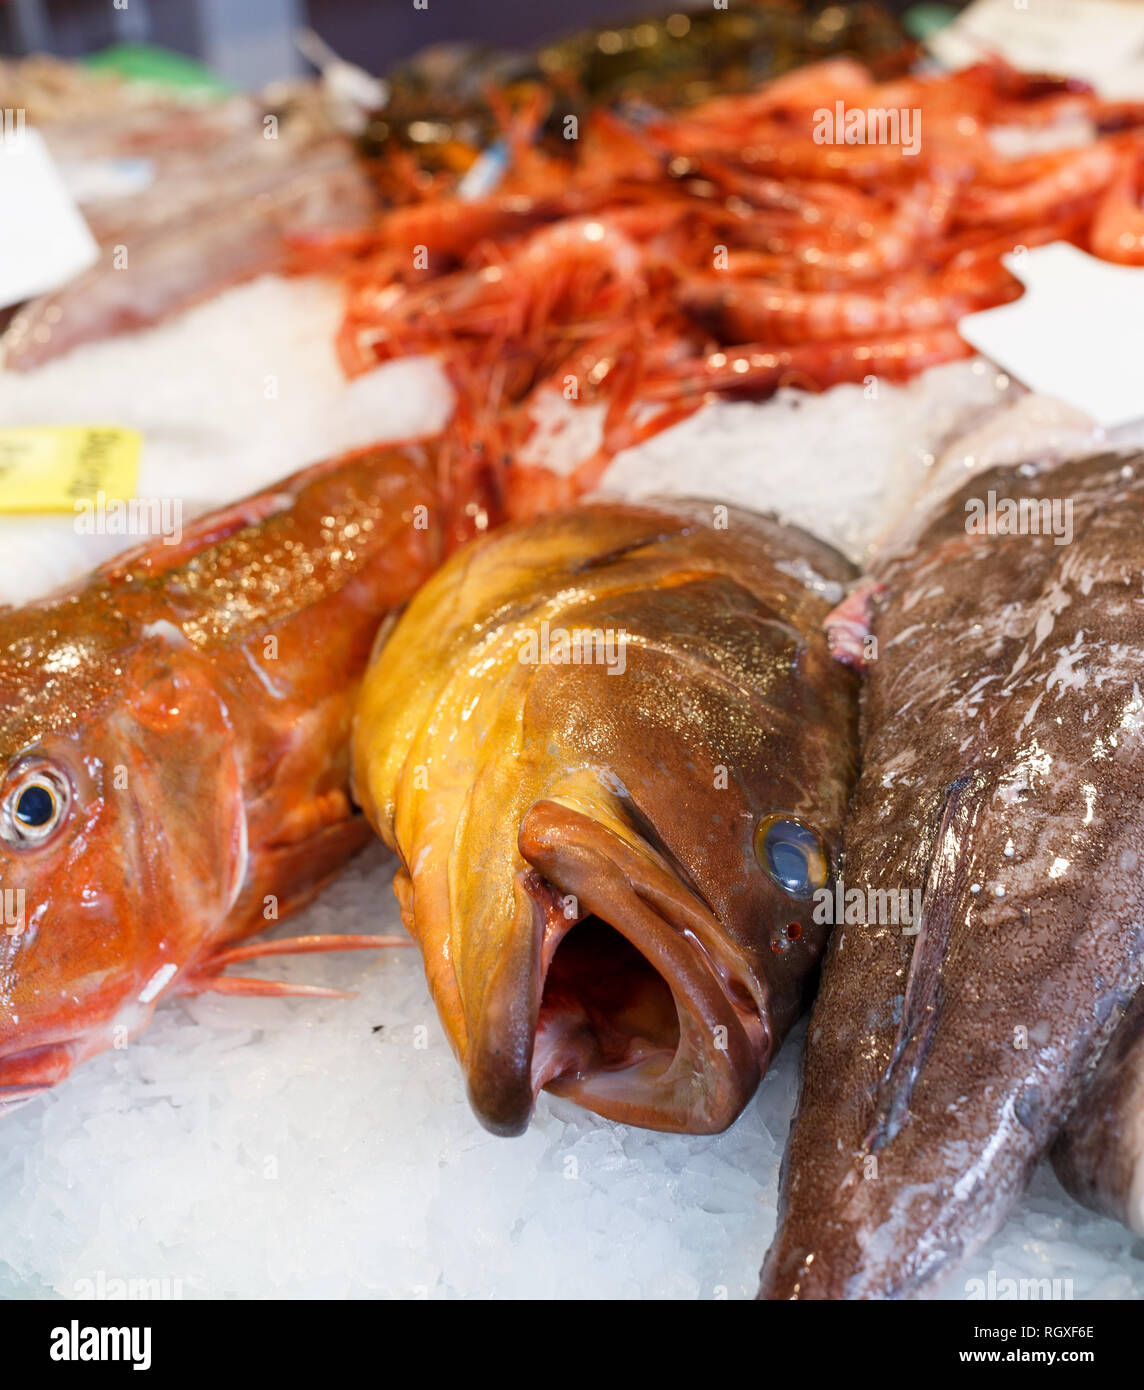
[(612, 752)]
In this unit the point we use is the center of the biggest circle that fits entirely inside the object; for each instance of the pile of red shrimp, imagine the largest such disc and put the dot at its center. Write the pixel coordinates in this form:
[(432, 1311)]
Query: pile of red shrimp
[(731, 249)]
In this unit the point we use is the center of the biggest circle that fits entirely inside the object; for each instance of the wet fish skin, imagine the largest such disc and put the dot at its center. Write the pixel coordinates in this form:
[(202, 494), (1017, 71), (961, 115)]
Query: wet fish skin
[(1099, 1156), (577, 842), (190, 706), (1002, 759)]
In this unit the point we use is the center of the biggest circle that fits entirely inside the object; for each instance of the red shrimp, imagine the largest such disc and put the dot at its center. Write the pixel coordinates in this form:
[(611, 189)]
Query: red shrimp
[(1071, 176), (1117, 232), (757, 370), (894, 240), (741, 311)]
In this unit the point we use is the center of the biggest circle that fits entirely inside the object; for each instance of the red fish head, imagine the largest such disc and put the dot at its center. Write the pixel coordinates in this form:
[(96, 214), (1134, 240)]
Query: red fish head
[(122, 833)]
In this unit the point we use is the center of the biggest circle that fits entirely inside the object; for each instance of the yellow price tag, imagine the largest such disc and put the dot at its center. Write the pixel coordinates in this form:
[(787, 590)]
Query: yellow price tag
[(49, 468)]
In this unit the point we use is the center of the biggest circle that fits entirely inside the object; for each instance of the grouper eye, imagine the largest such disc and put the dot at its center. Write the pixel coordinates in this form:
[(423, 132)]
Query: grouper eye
[(34, 804), (793, 854)]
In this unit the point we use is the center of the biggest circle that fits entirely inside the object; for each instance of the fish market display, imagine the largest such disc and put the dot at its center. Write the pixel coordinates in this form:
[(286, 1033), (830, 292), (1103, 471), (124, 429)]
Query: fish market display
[(197, 233), (992, 851), (445, 104), (654, 773), (1100, 1154), (175, 736), (117, 115), (612, 752), (746, 243), (678, 59)]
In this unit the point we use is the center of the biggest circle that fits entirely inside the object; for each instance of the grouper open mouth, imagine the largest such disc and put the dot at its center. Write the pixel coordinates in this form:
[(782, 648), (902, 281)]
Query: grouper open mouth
[(574, 739), (637, 1017)]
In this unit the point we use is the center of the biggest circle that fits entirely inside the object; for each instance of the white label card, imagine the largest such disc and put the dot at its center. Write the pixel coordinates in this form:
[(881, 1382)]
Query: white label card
[(44, 240), (1077, 333), (1101, 41)]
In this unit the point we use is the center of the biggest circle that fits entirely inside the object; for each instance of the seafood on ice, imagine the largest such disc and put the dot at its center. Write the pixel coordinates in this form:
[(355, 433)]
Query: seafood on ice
[(191, 239), (1002, 756), (612, 752), (731, 248)]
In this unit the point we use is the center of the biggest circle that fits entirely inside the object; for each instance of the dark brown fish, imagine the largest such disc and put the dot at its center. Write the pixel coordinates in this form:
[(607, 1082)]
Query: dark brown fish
[(609, 850), (1100, 1154), (1003, 736)]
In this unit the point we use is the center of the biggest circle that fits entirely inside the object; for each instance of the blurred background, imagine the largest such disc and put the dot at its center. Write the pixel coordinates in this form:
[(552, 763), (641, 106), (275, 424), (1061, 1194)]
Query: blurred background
[(249, 42)]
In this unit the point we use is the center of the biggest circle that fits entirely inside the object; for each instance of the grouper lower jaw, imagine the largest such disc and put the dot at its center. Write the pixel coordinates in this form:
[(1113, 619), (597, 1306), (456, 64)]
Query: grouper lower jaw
[(637, 1020), (619, 1005)]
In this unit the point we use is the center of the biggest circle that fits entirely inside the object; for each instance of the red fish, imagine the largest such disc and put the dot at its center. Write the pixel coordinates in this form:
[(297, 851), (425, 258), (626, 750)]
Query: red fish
[(174, 733)]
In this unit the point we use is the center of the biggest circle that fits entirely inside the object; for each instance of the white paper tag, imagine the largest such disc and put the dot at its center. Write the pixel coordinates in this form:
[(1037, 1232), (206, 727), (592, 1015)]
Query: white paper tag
[(44, 240), (1077, 333), (1101, 41)]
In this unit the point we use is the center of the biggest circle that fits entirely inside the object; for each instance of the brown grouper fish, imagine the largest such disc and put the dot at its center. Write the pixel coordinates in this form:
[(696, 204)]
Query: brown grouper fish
[(1100, 1154), (1003, 760), (175, 741), (613, 753)]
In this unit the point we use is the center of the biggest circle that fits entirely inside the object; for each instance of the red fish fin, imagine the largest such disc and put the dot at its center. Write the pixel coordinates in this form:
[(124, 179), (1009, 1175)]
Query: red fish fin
[(299, 946), (155, 556), (231, 984), (207, 976), (297, 855)]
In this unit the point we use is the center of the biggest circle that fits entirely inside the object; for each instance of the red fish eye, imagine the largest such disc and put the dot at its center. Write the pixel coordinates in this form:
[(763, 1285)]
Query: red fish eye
[(33, 807), (793, 931)]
